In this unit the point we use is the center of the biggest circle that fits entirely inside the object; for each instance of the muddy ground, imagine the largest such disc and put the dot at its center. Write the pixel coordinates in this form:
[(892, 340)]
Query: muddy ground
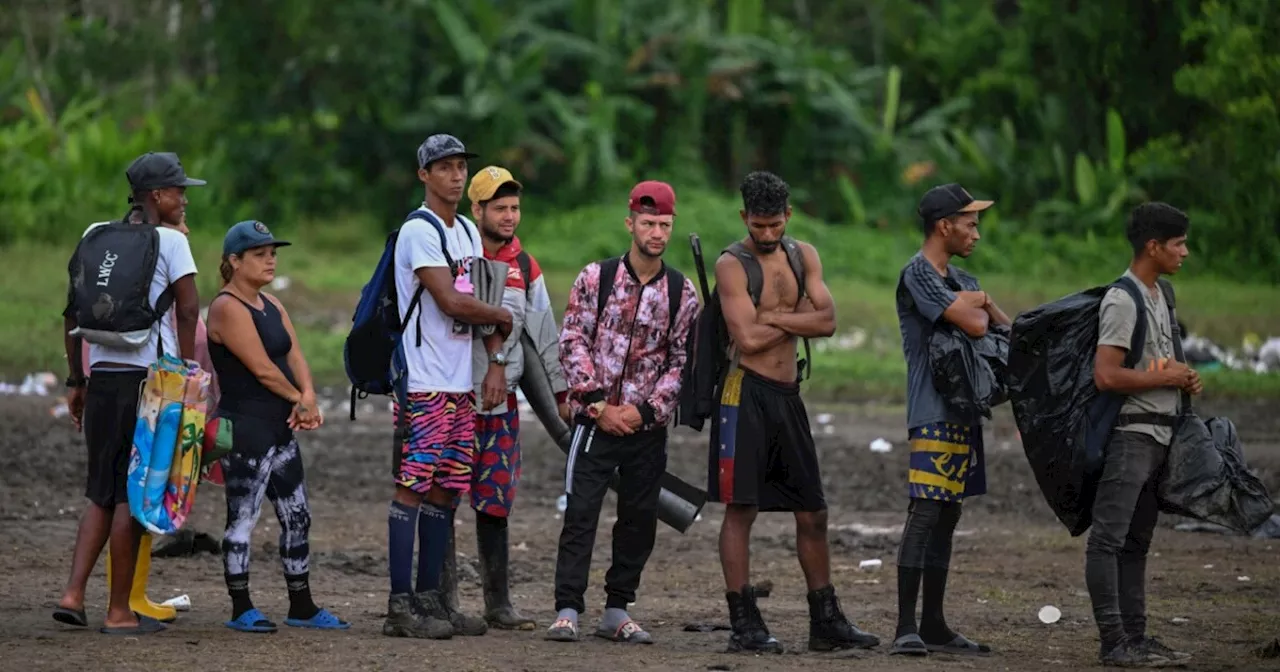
[(1011, 558)]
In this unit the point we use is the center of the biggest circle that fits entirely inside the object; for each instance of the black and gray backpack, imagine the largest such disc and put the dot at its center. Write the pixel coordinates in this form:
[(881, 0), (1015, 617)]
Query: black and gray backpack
[(111, 273)]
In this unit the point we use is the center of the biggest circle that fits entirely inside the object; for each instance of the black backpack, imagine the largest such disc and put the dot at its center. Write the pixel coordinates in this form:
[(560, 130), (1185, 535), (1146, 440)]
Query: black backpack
[(111, 273), (609, 271), (708, 362), (675, 294)]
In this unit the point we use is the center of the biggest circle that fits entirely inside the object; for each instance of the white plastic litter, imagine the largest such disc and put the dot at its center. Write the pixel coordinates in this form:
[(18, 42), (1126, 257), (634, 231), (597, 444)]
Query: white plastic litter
[(870, 564), (881, 446), (181, 602), (1050, 614)]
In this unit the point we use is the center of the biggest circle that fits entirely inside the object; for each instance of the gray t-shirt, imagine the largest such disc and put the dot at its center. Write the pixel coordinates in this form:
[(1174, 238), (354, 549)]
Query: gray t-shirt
[(1116, 319), (923, 295)]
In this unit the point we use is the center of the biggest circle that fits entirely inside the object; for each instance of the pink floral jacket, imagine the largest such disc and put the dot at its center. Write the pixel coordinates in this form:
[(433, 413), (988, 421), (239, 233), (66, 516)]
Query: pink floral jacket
[(629, 357)]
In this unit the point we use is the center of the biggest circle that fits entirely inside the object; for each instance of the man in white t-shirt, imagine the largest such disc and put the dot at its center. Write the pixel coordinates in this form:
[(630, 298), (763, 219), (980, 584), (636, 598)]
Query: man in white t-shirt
[(432, 467), (105, 403)]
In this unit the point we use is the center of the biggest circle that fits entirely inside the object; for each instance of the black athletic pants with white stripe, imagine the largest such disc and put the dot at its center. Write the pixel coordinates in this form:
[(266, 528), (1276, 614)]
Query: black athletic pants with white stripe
[(640, 460)]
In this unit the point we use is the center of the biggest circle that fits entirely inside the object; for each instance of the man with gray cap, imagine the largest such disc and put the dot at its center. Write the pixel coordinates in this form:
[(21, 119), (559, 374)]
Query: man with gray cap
[(146, 272), (432, 465)]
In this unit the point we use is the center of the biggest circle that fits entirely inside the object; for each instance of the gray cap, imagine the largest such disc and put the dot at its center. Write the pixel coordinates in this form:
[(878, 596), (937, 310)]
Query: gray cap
[(248, 235), (440, 146), (159, 170)]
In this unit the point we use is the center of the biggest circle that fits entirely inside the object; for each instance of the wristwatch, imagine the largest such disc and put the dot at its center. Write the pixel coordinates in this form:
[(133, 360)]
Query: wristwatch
[(594, 410), (76, 381), (498, 358)]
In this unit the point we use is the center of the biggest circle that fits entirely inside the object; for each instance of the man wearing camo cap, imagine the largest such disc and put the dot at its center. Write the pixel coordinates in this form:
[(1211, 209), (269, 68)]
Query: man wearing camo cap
[(436, 429)]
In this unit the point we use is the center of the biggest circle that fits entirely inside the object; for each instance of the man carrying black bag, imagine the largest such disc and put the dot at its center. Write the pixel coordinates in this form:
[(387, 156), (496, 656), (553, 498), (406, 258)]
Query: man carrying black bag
[(1125, 507), (947, 464)]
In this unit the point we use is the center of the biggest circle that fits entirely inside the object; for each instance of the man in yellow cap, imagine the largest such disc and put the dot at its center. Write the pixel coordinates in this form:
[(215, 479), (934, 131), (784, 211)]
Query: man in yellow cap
[(495, 207)]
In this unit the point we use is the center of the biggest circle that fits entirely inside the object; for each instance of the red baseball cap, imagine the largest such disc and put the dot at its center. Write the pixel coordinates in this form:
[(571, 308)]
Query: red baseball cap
[(664, 197)]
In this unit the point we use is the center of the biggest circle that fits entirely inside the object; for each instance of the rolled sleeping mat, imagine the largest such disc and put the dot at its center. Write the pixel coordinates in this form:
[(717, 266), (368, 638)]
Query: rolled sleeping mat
[(679, 503)]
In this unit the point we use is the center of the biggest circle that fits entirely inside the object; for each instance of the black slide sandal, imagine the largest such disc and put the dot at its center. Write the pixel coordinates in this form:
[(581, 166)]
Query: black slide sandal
[(71, 617)]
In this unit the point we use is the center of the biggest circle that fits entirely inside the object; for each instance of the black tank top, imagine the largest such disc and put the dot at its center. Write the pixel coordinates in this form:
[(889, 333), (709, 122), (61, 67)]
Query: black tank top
[(241, 391)]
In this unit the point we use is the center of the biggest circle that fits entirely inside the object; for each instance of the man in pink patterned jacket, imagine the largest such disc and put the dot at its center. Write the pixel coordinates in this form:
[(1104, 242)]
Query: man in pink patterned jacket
[(622, 346)]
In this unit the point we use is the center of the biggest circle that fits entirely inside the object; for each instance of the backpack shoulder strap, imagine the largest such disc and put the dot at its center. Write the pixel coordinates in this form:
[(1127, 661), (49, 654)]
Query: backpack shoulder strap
[(608, 271), (1175, 331), (439, 227), (526, 270), (1138, 341), (755, 275), (795, 258), (675, 294)]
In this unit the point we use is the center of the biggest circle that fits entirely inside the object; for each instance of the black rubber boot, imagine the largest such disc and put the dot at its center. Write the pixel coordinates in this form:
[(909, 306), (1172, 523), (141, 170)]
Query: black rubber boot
[(494, 546), (468, 626), (749, 631), (829, 630)]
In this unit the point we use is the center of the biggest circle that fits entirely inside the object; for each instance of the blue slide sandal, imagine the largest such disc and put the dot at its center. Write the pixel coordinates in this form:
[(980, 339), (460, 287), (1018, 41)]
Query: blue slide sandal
[(252, 621), (323, 620)]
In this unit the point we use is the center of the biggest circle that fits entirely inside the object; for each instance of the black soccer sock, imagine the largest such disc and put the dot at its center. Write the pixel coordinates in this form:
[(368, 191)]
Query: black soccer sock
[(238, 588), (933, 624), (908, 590), (301, 606)]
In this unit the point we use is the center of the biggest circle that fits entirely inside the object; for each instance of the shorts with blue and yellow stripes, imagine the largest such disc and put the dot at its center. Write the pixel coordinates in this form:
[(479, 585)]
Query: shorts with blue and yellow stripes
[(947, 463)]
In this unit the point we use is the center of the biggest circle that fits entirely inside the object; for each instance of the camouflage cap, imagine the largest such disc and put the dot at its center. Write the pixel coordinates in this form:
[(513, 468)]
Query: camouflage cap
[(439, 146)]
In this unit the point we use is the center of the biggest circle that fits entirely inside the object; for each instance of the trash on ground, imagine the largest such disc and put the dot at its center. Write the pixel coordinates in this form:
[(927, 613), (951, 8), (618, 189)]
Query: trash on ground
[(1254, 354), (705, 627), (1050, 614), (881, 446), (872, 564), (179, 603), (1179, 620)]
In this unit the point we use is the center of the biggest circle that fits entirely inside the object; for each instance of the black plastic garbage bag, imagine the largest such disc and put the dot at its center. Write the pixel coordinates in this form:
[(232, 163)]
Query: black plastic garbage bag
[(1206, 478), (968, 372), (1063, 418)]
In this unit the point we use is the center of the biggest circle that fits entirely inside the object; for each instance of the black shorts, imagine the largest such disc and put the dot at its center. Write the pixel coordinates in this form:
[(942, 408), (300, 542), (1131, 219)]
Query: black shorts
[(110, 415), (762, 453)]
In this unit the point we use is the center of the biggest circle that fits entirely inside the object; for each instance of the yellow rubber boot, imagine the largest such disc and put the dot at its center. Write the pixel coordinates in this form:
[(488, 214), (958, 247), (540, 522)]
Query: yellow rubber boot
[(138, 600)]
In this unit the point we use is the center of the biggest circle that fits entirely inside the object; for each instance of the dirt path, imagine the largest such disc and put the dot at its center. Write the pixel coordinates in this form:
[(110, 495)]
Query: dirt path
[(1011, 558)]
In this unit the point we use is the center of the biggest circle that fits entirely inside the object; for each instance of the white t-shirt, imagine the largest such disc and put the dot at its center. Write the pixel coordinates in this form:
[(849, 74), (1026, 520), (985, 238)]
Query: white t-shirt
[(174, 263), (443, 362)]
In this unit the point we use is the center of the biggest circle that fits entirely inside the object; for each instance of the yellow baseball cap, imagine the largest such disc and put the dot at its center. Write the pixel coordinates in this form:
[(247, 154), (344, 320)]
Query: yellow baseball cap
[(485, 183)]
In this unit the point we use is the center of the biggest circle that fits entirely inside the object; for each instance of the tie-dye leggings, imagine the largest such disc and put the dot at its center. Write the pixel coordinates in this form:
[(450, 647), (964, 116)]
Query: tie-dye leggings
[(277, 474)]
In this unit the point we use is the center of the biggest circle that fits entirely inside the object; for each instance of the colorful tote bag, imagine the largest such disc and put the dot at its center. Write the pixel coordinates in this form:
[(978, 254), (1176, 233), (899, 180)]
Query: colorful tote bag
[(168, 439)]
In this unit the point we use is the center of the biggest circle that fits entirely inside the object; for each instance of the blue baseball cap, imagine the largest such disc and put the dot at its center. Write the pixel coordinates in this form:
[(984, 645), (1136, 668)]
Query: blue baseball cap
[(247, 235)]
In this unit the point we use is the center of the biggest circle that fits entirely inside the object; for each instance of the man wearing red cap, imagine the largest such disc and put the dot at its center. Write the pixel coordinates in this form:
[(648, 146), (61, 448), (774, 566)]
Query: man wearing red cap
[(622, 347)]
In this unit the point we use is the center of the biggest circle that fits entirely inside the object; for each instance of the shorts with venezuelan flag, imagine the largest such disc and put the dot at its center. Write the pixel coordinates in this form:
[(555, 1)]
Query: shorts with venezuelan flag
[(947, 464)]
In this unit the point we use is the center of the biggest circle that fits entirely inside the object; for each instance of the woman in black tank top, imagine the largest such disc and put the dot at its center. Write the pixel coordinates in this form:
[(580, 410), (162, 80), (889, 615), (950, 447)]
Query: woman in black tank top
[(266, 394)]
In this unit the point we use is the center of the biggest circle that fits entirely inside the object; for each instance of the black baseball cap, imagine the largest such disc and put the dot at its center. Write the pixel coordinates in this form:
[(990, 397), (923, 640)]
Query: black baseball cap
[(947, 200), (441, 146), (159, 170)]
